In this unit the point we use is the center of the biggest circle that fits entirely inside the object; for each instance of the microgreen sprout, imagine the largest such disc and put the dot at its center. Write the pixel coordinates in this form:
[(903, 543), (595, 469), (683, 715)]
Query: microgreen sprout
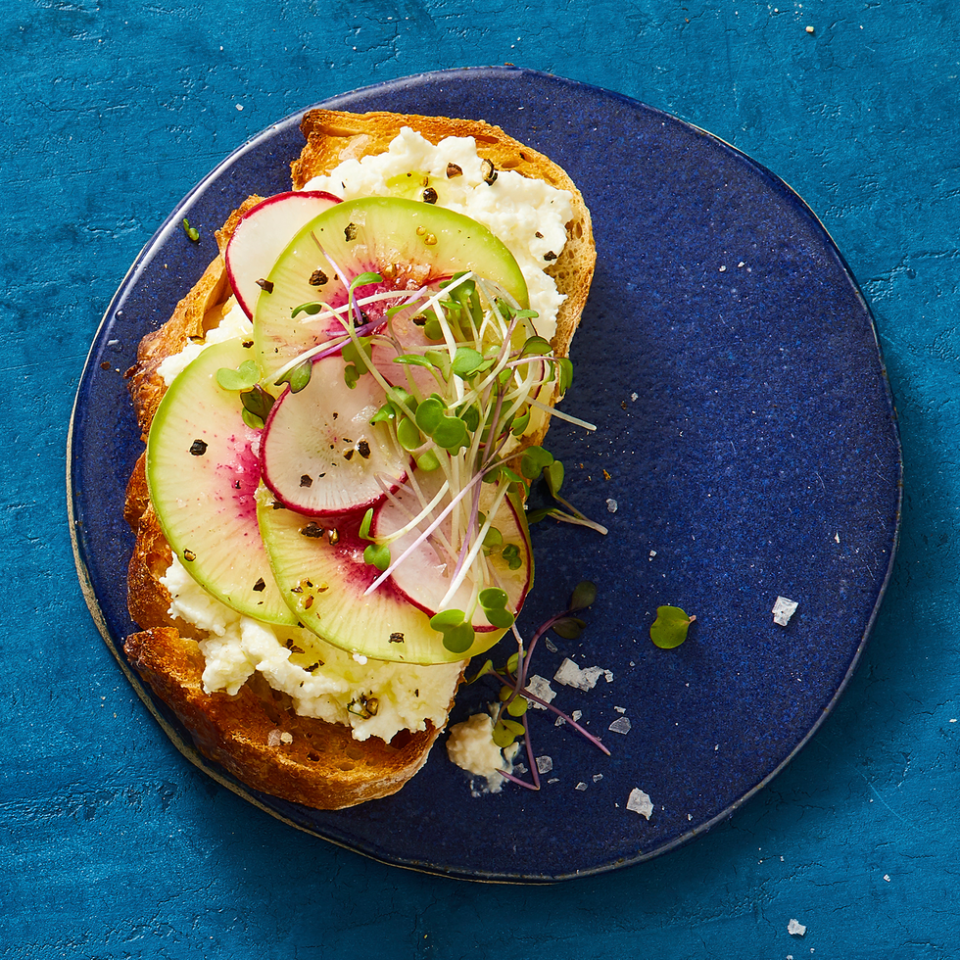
[(510, 714), (670, 628), (193, 234), (471, 380)]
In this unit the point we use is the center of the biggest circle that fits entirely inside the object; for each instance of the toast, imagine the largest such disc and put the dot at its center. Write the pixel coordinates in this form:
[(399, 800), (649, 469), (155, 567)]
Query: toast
[(256, 734)]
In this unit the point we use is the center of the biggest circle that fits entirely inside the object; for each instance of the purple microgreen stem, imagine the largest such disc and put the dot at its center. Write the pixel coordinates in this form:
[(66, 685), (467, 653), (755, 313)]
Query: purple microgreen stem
[(510, 681)]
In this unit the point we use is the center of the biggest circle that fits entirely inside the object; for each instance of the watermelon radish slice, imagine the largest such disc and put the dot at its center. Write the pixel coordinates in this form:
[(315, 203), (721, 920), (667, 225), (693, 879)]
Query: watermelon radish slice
[(202, 471), (320, 454), (424, 577), (410, 244), (262, 234), (324, 578)]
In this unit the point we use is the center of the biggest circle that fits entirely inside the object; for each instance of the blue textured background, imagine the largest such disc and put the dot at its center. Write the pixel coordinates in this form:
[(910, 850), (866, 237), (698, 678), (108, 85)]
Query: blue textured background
[(111, 846)]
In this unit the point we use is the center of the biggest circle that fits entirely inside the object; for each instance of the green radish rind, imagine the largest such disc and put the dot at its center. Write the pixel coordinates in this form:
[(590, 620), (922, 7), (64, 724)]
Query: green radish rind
[(210, 522), (408, 242)]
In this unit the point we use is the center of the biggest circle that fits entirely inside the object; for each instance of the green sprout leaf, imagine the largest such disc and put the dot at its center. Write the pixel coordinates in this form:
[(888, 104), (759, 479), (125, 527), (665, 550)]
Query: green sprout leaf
[(377, 555), (669, 630), (311, 309), (505, 732), (451, 434), (408, 435), (298, 377), (520, 423), (365, 524), (584, 595), (511, 553), (533, 461), (256, 406), (430, 414), (488, 667), (553, 474), (246, 376), (192, 232), (569, 628), (466, 362), (517, 707), (428, 461), (364, 279), (493, 600), (536, 346), (458, 635)]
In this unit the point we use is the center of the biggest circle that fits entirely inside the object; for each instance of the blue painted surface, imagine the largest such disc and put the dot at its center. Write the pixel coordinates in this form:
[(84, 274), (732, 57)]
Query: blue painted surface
[(112, 846)]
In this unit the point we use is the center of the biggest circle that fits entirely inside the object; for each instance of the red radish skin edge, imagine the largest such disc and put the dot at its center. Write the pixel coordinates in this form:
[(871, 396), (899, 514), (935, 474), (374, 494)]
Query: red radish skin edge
[(280, 218)]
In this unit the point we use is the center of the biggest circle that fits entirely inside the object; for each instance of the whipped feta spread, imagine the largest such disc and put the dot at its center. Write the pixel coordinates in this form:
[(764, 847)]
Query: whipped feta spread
[(376, 698), (528, 215)]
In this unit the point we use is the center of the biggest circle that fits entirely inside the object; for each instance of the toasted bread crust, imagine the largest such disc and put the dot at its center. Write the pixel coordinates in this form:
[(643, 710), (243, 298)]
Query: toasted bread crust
[(256, 735)]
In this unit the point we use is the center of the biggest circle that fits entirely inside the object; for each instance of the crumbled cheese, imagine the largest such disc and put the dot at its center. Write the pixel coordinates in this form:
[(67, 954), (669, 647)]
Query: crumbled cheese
[(470, 746), (570, 675), (407, 695), (783, 610), (527, 214), (640, 802)]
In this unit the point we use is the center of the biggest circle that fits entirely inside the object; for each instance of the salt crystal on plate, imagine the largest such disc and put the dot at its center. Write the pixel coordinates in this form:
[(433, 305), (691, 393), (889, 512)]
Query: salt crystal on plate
[(783, 610), (620, 725), (544, 764), (639, 802), (540, 688), (796, 929), (570, 675)]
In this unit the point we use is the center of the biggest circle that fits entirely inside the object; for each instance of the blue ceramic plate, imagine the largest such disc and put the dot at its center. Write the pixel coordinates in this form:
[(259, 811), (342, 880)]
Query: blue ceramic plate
[(746, 449)]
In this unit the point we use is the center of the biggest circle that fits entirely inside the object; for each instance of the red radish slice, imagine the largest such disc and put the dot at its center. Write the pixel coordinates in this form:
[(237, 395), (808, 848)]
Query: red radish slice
[(320, 454), (426, 574), (261, 236)]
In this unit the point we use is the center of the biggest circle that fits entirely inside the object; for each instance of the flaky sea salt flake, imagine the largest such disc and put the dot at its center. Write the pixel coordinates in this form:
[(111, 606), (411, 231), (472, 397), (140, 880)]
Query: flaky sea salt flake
[(796, 929), (639, 802), (620, 725), (570, 675), (783, 610), (540, 688)]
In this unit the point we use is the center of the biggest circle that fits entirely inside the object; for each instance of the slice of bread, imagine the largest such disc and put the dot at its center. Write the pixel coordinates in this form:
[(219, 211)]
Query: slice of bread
[(256, 735)]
